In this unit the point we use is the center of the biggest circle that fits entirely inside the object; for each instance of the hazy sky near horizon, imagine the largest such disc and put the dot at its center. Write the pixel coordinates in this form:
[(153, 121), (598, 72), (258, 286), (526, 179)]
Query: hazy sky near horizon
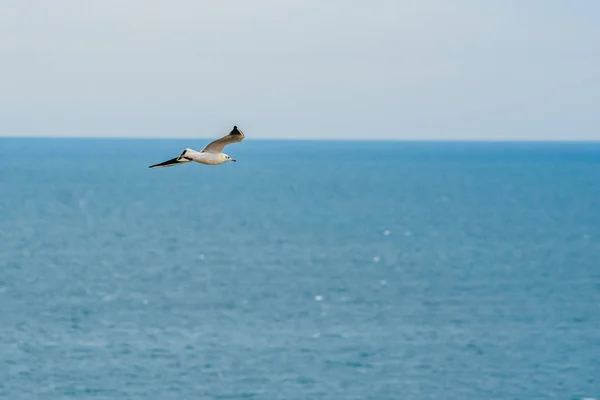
[(400, 69)]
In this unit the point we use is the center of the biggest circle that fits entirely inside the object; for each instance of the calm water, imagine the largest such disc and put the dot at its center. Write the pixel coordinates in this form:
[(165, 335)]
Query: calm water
[(346, 271)]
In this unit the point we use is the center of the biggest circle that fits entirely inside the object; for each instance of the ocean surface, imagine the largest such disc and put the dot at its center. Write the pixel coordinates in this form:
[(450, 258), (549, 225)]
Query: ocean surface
[(306, 270)]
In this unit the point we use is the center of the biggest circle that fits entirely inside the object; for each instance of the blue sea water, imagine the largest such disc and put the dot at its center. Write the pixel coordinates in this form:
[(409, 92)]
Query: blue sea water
[(306, 270)]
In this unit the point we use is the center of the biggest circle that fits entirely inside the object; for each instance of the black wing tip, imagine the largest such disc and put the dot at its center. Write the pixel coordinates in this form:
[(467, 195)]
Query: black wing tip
[(235, 131), (172, 161)]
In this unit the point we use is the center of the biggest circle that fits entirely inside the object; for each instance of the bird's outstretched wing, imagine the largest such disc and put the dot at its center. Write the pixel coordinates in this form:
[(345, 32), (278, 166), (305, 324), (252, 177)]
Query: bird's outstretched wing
[(182, 159), (217, 146)]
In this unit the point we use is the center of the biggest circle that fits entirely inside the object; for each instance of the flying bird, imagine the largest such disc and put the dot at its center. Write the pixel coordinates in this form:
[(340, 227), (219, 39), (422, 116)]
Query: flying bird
[(212, 154)]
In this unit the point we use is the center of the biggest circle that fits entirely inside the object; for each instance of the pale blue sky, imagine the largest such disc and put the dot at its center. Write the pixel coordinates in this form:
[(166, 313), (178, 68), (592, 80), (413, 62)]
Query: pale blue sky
[(401, 69)]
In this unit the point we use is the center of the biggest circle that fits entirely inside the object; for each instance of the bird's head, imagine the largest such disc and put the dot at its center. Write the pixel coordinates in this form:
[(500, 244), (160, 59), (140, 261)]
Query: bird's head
[(228, 158)]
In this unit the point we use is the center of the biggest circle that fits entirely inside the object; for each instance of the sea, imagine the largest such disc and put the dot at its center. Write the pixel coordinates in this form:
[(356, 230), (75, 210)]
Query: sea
[(307, 270)]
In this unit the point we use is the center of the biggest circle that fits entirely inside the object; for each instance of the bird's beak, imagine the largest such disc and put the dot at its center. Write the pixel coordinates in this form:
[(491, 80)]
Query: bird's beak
[(234, 160)]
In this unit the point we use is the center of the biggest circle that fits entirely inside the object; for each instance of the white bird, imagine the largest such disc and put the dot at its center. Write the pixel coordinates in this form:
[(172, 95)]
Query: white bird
[(212, 154)]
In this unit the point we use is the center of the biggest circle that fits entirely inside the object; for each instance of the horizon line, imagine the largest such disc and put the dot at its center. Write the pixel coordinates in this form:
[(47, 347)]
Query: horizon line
[(376, 139)]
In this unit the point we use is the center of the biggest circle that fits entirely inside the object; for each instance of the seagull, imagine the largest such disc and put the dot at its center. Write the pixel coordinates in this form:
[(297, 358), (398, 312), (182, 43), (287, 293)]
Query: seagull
[(212, 154)]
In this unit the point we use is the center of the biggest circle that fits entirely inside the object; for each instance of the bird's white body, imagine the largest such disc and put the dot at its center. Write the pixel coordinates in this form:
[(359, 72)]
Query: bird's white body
[(212, 154), (205, 158)]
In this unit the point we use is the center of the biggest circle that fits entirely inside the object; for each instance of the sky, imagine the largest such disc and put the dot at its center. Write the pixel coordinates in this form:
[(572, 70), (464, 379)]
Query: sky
[(302, 69)]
